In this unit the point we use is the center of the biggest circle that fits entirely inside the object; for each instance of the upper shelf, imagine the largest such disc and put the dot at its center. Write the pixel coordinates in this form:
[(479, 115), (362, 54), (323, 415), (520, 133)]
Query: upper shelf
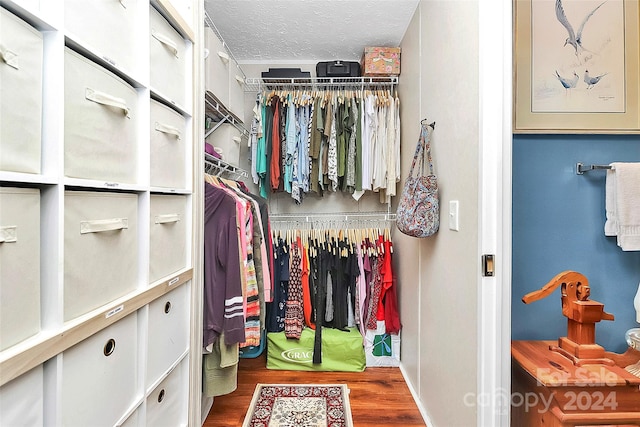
[(220, 114), (257, 84)]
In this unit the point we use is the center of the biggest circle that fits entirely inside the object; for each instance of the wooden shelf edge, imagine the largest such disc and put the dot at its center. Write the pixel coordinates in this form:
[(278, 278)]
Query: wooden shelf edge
[(34, 351), (170, 10)]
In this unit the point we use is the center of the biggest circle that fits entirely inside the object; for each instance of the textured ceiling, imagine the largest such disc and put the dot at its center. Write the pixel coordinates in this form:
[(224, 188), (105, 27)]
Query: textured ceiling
[(308, 30)]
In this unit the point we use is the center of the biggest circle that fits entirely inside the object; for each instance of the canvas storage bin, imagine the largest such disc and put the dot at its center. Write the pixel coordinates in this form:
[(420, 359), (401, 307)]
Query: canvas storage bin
[(100, 249), (21, 59), (168, 136), (166, 405), (341, 351), (19, 264), (92, 24), (167, 59), (381, 61), (216, 67), (168, 331), (167, 235), (100, 376), (228, 139), (236, 91), (381, 349), (100, 114), (22, 400)]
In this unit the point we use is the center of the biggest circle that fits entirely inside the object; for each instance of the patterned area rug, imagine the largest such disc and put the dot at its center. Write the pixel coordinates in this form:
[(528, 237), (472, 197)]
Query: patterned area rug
[(299, 405)]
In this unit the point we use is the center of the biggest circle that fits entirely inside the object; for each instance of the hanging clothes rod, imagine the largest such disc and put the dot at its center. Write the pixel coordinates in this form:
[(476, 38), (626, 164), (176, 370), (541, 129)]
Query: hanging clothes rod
[(581, 168), (337, 217)]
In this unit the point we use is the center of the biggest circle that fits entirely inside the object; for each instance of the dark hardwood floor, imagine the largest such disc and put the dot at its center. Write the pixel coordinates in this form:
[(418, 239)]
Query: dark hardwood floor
[(379, 397)]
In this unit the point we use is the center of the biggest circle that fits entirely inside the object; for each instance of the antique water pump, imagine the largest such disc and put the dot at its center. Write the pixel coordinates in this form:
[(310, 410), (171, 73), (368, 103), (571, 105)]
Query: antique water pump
[(579, 345)]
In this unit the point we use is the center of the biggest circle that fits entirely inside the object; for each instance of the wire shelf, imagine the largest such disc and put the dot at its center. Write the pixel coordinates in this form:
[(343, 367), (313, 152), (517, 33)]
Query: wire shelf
[(217, 167), (258, 84)]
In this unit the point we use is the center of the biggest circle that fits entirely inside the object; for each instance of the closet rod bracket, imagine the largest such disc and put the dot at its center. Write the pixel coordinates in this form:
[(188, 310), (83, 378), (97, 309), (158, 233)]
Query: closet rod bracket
[(581, 168)]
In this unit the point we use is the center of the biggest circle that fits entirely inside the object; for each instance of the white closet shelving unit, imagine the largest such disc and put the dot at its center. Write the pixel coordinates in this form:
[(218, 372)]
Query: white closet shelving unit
[(99, 212)]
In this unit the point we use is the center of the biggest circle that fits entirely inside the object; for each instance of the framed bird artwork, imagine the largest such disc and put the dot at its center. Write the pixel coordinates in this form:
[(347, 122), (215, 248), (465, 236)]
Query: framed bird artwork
[(576, 66)]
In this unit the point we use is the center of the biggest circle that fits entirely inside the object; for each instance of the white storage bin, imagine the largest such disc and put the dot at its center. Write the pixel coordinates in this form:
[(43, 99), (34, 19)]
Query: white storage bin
[(228, 138), (167, 403), (216, 67), (21, 89), (167, 59), (22, 400), (100, 114), (19, 264), (108, 28), (167, 235), (100, 249), (236, 91), (168, 129), (168, 331), (99, 376)]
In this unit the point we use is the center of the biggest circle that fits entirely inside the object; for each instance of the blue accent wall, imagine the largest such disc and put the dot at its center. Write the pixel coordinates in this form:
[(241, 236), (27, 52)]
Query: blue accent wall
[(558, 225)]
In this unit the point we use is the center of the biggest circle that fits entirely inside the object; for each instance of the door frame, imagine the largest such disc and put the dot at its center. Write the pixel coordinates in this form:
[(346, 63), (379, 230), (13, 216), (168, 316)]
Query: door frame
[(494, 227)]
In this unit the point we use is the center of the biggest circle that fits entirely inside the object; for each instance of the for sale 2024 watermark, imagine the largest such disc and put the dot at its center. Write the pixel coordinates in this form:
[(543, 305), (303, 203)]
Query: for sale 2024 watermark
[(574, 392)]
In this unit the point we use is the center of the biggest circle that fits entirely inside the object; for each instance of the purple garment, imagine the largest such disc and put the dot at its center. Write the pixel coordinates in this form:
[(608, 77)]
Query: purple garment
[(223, 303)]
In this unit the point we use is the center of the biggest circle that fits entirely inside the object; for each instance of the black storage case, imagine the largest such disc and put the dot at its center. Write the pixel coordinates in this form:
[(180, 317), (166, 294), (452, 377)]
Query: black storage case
[(338, 69), (285, 73)]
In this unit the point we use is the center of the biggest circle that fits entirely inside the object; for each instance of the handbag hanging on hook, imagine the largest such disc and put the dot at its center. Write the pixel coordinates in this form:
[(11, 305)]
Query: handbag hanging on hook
[(418, 213)]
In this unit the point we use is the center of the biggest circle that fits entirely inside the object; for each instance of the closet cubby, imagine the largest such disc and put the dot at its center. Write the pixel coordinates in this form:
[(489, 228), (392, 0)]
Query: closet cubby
[(97, 202)]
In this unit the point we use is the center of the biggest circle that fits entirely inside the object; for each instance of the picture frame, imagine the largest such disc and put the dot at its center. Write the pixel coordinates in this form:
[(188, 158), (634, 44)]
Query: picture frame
[(555, 44)]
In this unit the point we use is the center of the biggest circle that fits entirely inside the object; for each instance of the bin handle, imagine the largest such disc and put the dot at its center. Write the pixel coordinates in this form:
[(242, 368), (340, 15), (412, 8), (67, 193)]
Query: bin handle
[(106, 99), (8, 234), (101, 225), (224, 56), (167, 218), (165, 41), (164, 128), (9, 57)]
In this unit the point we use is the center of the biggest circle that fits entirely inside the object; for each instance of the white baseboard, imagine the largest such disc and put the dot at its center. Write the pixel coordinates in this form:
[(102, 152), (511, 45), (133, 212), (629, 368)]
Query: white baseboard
[(416, 398)]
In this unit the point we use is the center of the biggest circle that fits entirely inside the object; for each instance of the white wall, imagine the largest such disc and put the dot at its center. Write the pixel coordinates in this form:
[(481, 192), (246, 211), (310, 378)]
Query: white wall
[(439, 82)]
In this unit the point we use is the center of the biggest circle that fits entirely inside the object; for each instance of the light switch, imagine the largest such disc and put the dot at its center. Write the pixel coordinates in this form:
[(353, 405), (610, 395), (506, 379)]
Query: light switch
[(453, 215)]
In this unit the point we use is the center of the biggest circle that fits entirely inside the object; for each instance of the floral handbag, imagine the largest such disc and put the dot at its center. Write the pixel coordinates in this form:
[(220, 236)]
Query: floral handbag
[(418, 213)]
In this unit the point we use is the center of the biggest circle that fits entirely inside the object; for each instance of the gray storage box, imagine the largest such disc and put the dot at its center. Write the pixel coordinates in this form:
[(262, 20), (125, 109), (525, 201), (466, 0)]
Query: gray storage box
[(167, 59), (167, 235), (100, 113), (168, 129), (19, 265), (21, 100), (100, 249)]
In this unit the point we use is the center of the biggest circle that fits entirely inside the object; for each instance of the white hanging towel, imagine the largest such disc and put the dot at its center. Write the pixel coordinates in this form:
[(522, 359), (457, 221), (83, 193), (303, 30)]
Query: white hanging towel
[(622, 204)]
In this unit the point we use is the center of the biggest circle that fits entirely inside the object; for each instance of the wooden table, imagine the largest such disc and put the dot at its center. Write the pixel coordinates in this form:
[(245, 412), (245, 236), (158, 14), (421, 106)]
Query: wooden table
[(549, 390)]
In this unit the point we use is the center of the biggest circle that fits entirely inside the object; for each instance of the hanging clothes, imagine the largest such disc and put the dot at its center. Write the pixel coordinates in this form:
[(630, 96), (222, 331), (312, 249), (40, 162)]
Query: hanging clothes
[(329, 140), (345, 276), (223, 295)]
